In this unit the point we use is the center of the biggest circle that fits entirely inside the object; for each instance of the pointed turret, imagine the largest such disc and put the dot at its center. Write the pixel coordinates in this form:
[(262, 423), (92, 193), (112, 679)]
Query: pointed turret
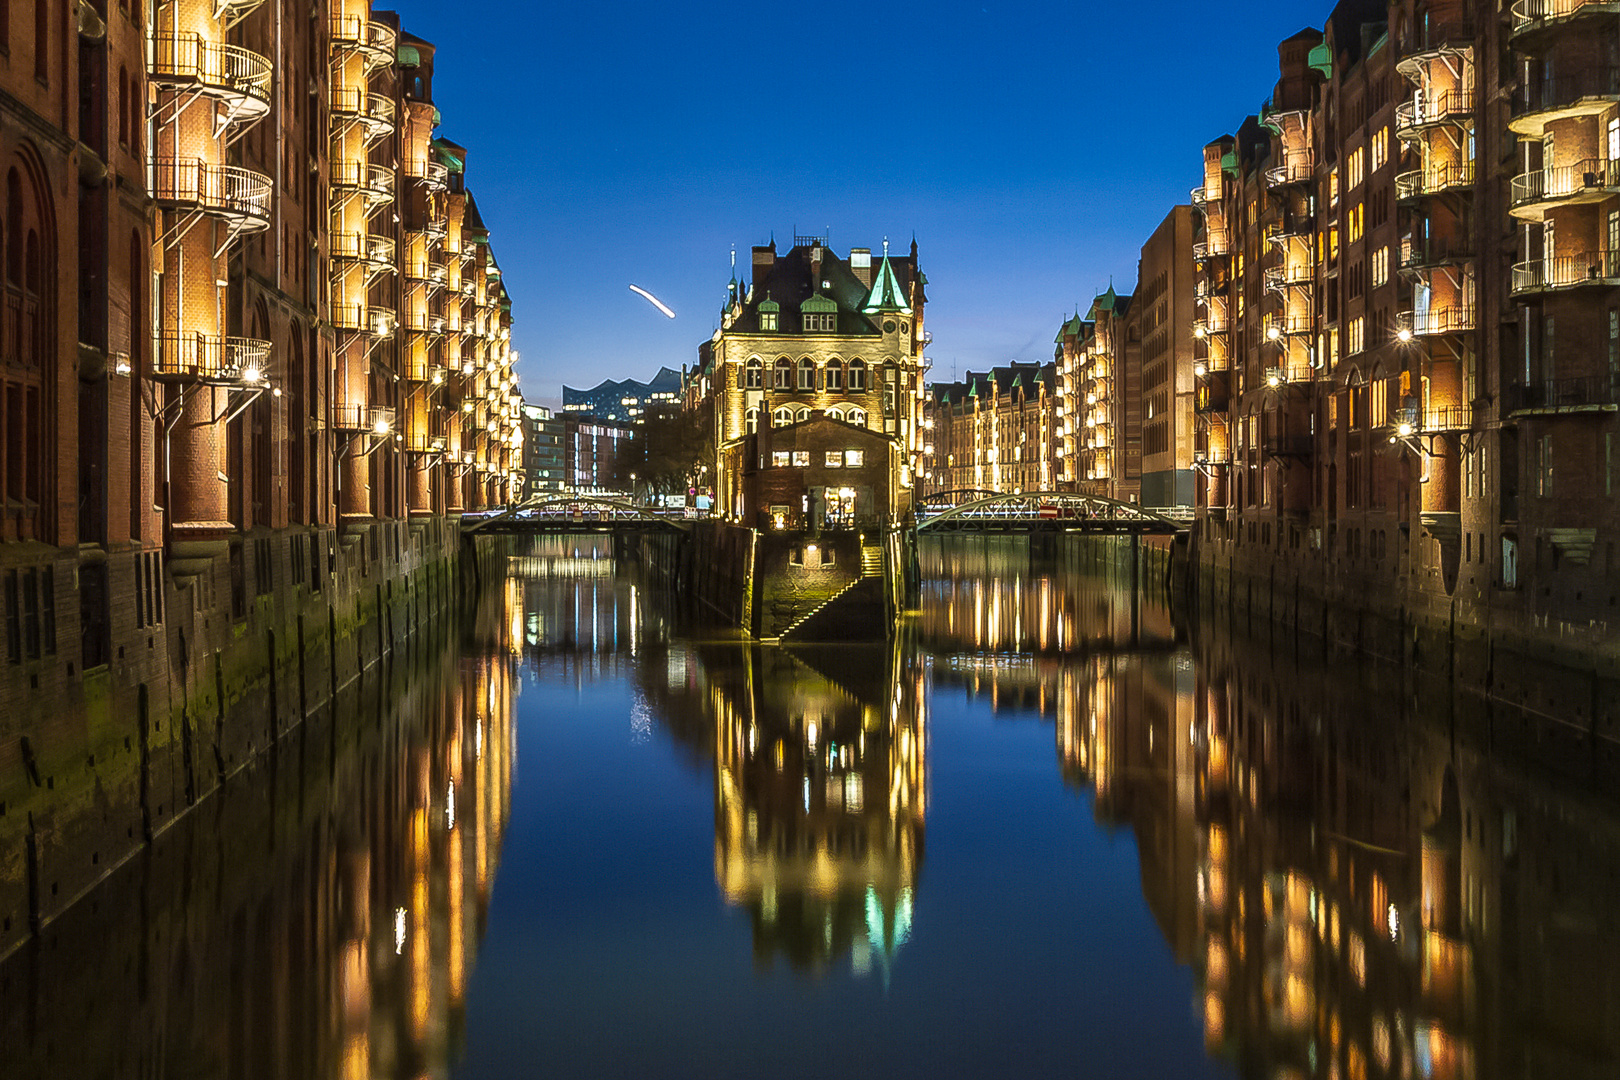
[(886, 294)]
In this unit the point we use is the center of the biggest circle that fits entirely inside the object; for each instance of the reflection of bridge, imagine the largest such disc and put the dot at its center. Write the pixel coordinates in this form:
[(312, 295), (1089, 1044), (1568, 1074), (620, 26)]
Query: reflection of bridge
[(1046, 511), (576, 514)]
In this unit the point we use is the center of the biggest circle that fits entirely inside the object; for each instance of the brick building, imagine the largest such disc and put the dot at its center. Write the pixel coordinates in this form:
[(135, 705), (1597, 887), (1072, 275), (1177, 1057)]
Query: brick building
[(994, 431), (814, 332), (254, 344), (1159, 328), (1099, 387), (591, 454)]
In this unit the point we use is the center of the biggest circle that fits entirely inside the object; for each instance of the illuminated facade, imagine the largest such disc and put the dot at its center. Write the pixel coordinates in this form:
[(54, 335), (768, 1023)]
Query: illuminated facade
[(814, 332), (1101, 432), (1406, 362), (996, 431)]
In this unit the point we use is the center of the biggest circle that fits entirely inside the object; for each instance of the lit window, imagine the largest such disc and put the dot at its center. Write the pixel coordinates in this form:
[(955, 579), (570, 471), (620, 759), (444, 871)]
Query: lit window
[(833, 376), (782, 375), (857, 374), (779, 458), (751, 420), (801, 459), (767, 320), (854, 458), (835, 459), (754, 374), (807, 374)]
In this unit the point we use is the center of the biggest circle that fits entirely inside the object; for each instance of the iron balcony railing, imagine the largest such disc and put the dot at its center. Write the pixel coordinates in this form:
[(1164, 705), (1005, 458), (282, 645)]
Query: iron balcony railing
[(1280, 277), (379, 322), (1530, 16), (1579, 393), (204, 356), (375, 182), (1450, 106), (1292, 172), (1567, 271), (355, 103), (433, 174), (1447, 418), (1597, 84), (227, 73), (375, 41), (374, 252), (1438, 320), (1438, 251), (222, 190), (1589, 176), (350, 416), (421, 271), (1441, 177)]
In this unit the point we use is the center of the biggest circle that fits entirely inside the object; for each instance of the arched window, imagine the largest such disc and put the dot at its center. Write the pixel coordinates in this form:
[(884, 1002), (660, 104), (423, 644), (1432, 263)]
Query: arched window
[(782, 374), (835, 413), (891, 382), (801, 415), (807, 374), (782, 416), (27, 368), (42, 39), (123, 105), (833, 377), (856, 416), (751, 419), (857, 375), (753, 374)]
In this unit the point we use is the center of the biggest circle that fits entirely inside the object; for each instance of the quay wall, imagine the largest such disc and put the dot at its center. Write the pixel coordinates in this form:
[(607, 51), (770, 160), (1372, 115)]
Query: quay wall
[(1561, 680), (210, 659)]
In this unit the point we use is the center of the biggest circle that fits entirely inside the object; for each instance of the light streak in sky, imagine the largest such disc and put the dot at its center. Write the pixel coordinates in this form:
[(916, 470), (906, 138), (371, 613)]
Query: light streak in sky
[(657, 303)]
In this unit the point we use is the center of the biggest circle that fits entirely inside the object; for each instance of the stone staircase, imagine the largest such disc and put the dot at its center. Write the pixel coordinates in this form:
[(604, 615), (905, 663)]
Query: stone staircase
[(871, 562)]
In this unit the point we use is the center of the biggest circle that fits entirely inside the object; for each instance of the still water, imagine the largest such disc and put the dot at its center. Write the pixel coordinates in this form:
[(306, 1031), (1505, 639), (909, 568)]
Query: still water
[(1047, 833)]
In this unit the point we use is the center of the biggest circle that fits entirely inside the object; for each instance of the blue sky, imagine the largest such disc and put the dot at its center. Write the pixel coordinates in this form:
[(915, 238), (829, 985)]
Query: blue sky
[(1031, 148)]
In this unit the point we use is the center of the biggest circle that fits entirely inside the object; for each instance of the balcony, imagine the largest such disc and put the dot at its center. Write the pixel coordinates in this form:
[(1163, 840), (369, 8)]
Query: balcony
[(1438, 251), (1421, 113), (239, 196), (423, 322), (1202, 198), (1533, 19), (434, 176), (220, 360), (1212, 395), (238, 79), (377, 44), (376, 419), (1447, 418), (1435, 180), (369, 319), (1587, 181), (231, 12), (431, 274), (373, 112), (373, 183), (1293, 226), (1567, 272), (1439, 38), (1279, 278), (1278, 327), (1584, 92), (1278, 119), (1551, 397), (1438, 320), (1293, 172), (375, 253)]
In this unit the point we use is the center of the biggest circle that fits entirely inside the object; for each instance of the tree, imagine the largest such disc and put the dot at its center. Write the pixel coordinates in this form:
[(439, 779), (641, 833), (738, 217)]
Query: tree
[(670, 447)]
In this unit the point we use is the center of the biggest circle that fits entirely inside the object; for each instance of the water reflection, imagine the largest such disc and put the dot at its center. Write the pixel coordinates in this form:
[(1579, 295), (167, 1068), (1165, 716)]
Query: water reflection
[(820, 799), (318, 917), (1361, 884)]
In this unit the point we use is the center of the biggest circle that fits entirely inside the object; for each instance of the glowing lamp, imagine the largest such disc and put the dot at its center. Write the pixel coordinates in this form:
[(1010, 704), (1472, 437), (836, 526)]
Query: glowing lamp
[(1404, 335), (1273, 380), (1200, 370), (1272, 333), (1403, 429), (381, 426), (252, 374)]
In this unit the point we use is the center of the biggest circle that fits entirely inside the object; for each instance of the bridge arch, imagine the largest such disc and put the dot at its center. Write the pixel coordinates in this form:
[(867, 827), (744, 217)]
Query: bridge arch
[(1042, 510)]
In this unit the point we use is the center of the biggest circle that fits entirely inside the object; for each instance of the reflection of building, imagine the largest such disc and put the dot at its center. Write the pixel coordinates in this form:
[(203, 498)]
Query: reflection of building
[(624, 400), (817, 336), (996, 431), (820, 789)]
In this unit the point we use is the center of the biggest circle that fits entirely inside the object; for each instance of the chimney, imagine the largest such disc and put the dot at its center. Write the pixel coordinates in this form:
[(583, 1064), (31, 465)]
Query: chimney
[(764, 259), (815, 267), (860, 263)]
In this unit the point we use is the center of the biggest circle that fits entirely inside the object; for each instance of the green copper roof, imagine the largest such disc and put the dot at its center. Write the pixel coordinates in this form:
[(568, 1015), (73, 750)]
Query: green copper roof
[(1321, 59), (1229, 163), (818, 303), (446, 158), (886, 294), (769, 306), (410, 56)]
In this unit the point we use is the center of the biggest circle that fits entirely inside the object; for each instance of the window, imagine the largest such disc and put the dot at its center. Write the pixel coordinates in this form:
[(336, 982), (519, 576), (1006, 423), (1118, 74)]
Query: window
[(1380, 148), (857, 375), (801, 414), (1544, 466), (801, 459), (754, 374), (782, 416), (1354, 339), (1355, 223), (1380, 266), (1353, 168), (835, 459), (751, 420), (820, 322), (833, 376), (1614, 139), (856, 416), (767, 320), (782, 375), (779, 458), (807, 374), (854, 458)]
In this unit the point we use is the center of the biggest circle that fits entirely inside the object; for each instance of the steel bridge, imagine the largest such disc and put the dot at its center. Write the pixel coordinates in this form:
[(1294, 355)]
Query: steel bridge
[(577, 514), (1047, 511)]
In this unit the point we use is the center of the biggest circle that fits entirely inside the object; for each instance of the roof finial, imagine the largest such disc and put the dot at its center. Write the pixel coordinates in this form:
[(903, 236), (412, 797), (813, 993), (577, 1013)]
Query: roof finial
[(885, 247), (734, 257)]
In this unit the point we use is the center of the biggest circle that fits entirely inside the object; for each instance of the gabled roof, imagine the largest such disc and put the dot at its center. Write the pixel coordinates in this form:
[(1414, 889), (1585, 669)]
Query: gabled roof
[(788, 284)]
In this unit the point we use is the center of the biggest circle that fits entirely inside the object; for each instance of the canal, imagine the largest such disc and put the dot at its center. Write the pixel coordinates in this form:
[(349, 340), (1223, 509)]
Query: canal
[(1050, 831)]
